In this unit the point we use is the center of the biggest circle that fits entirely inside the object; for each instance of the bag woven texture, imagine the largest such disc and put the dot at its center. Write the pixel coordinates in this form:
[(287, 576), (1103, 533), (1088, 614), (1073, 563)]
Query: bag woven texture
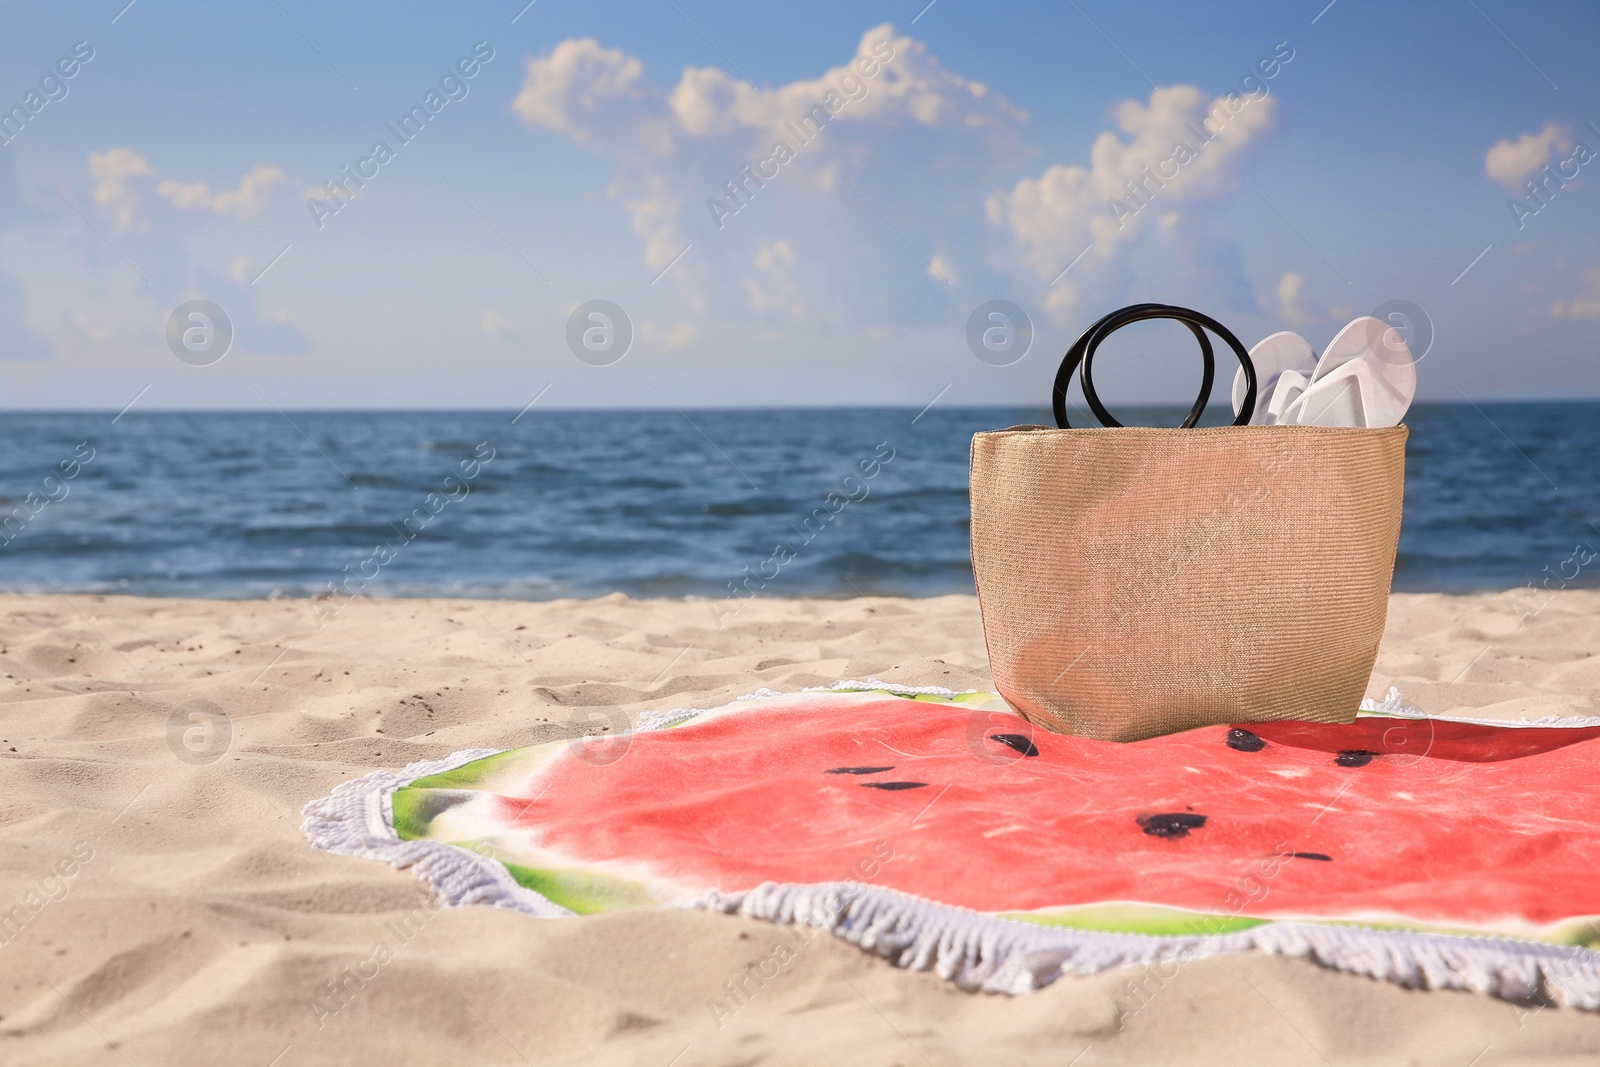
[(1137, 581)]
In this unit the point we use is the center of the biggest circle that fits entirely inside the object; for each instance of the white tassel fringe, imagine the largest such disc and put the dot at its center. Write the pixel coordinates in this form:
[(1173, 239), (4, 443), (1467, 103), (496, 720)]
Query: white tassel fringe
[(993, 955), (357, 819)]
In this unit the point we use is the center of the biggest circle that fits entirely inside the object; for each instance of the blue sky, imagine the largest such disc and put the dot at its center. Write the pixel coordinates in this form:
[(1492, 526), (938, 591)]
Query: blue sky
[(983, 159)]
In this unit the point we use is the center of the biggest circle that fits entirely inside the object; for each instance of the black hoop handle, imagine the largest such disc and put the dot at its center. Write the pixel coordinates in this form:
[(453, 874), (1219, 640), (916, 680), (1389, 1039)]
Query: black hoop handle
[(1081, 355)]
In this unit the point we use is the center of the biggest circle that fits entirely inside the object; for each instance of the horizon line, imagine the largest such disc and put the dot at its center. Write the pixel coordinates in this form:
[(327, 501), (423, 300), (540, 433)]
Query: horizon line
[(909, 406)]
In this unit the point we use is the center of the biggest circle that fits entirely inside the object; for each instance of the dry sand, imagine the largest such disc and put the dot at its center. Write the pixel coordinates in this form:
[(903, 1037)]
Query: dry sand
[(197, 924)]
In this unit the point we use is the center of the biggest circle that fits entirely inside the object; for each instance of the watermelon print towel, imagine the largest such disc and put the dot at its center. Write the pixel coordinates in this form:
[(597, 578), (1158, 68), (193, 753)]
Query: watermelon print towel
[(942, 831)]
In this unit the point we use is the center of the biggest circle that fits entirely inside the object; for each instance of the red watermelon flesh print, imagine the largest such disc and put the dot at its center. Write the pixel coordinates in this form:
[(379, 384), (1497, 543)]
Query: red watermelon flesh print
[(1431, 822)]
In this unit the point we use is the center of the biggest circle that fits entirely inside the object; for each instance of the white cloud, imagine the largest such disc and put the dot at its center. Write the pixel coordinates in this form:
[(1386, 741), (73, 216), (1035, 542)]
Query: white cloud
[(701, 163), (913, 88), (124, 184), (1511, 162), (122, 176), (115, 189), (80, 304), (1181, 146), (585, 91), (496, 326), (242, 203), (879, 174), (772, 286), (1586, 304), (1287, 299)]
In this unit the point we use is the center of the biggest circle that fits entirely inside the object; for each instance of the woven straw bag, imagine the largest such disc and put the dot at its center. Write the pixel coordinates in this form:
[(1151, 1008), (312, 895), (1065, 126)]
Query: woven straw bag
[(1139, 581)]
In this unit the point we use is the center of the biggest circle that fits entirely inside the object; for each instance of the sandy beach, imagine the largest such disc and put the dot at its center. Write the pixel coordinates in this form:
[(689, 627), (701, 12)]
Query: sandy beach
[(196, 924)]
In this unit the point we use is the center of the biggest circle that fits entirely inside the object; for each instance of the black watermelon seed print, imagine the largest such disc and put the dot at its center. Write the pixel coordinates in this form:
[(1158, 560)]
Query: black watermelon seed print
[(1354, 757), (1311, 856), (1019, 742), (1244, 741), (893, 785), (857, 770), (1171, 823)]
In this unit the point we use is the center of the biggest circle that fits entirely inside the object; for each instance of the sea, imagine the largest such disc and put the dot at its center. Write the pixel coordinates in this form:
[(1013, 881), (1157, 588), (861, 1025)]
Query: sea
[(550, 504)]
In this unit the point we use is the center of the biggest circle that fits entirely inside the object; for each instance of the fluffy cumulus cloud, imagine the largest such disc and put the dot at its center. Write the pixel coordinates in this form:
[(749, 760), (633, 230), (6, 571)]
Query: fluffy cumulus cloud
[(864, 172), (241, 203), (1586, 303), (120, 176), (156, 218), (592, 94), (1287, 301), (1511, 162), (1179, 147), (124, 178), (885, 190)]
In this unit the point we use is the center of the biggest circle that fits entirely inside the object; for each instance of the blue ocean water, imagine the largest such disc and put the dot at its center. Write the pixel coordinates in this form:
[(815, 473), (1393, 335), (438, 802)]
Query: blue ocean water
[(660, 503)]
